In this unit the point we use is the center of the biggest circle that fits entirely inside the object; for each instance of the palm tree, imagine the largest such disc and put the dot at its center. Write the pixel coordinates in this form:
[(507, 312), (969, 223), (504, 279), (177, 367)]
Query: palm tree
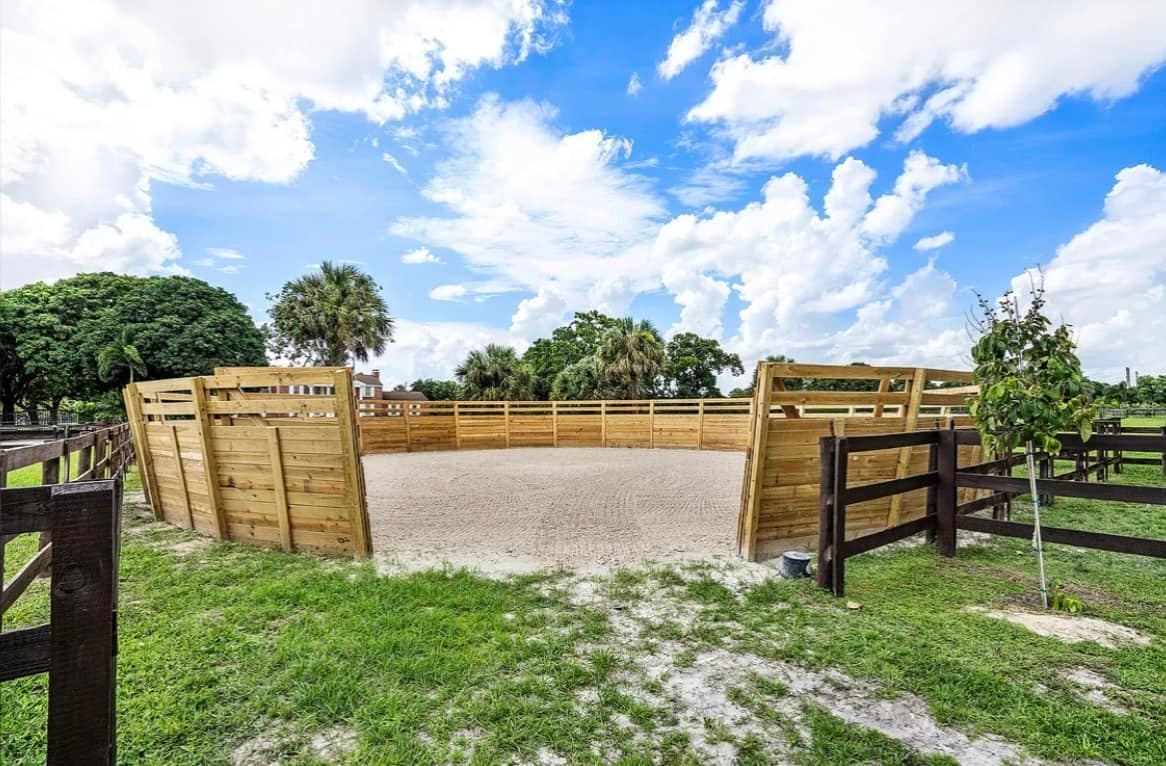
[(631, 351), (495, 373), (121, 355), (328, 317)]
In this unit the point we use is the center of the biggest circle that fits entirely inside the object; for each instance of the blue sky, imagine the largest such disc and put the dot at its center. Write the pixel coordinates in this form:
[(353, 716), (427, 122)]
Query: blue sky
[(512, 149)]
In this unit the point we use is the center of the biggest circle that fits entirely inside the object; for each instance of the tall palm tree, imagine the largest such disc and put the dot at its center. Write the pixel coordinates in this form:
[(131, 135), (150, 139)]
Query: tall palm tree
[(495, 373), (331, 316), (631, 351), (118, 356)]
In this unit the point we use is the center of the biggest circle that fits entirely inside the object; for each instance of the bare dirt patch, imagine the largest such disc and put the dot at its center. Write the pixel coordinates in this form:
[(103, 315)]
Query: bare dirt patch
[(1070, 629), (698, 687), (506, 512)]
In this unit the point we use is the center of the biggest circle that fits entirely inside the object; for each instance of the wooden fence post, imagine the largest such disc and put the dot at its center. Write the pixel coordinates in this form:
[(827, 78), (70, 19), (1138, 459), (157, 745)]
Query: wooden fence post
[(945, 493), (506, 414), (457, 425), (86, 520), (652, 424), (209, 467), (825, 510), (275, 453), (838, 530), (1164, 454), (603, 421), (755, 464), (932, 465), (184, 491), (554, 424), (700, 425)]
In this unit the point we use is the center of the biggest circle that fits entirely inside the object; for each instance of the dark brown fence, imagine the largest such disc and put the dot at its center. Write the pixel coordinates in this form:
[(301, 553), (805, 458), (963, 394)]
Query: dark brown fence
[(944, 478), (76, 510), (78, 644)]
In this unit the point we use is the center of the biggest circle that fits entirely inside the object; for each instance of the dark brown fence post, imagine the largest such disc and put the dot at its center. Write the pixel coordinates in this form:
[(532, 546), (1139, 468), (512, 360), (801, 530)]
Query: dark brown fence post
[(945, 493), (932, 465), (838, 536), (825, 510), (1164, 454), (85, 528)]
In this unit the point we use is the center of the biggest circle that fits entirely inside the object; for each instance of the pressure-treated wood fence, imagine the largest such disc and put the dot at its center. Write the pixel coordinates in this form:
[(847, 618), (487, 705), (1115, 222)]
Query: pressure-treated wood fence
[(698, 424), (779, 495), (946, 512), (259, 455)]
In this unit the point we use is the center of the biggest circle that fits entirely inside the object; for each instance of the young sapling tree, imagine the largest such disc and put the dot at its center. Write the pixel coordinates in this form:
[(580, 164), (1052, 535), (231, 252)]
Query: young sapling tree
[(1031, 389)]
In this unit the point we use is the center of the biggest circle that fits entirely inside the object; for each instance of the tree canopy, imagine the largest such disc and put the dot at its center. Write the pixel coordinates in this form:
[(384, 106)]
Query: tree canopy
[(330, 318), (631, 352), (1031, 386), (437, 390), (693, 364), (52, 335), (495, 373)]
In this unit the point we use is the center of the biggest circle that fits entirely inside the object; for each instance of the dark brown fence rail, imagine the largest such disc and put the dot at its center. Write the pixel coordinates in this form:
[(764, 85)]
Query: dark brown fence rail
[(944, 478), (76, 510), (78, 644)]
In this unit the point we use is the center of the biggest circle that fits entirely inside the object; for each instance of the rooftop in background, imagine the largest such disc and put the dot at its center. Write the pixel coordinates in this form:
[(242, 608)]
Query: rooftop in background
[(368, 378), (404, 396)]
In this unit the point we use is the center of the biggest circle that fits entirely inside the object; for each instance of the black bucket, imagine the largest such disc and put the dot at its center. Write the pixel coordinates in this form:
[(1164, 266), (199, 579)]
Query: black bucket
[(794, 564)]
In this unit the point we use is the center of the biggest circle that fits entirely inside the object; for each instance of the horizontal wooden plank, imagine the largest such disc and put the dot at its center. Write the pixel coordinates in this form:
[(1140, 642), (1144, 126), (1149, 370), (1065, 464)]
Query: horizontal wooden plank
[(265, 406), (1124, 493), (25, 652), (891, 440), (1138, 546), (891, 487), (887, 536), (839, 372)]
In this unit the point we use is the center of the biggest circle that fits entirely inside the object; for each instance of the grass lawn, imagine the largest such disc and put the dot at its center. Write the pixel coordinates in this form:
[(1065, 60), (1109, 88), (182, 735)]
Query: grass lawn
[(30, 475), (230, 654)]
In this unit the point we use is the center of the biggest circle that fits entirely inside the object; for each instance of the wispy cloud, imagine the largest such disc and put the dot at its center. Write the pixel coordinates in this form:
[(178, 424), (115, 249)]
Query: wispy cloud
[(936, 242), (419, 256), (634, 84), (226, 253), (394, 163)]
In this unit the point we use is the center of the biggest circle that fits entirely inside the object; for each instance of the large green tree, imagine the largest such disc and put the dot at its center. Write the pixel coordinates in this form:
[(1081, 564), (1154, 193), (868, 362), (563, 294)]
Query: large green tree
[(567, 345), (437, 390), (495, 373), (692, 365), (51, 335), (330, 318), (631, 353)]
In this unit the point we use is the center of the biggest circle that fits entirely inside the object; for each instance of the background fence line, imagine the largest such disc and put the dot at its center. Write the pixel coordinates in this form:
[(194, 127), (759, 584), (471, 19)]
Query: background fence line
[(945, 479)]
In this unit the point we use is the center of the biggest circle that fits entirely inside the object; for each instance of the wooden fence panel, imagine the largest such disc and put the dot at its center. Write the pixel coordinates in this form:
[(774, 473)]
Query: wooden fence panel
[(783, 508), (708, 424), (262, 456)]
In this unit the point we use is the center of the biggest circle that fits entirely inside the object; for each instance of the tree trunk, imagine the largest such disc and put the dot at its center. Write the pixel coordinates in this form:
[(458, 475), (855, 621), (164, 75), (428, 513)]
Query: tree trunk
[(8, 411), (33, 417)]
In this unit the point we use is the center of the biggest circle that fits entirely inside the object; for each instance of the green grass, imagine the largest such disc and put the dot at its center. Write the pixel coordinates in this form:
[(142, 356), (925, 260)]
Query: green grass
[(1143, 421), (222, 642), (31, 475)]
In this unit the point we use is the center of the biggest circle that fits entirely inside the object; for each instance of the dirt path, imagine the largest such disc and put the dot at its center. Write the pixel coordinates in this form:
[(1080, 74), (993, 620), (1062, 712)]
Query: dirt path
[(518, 510)]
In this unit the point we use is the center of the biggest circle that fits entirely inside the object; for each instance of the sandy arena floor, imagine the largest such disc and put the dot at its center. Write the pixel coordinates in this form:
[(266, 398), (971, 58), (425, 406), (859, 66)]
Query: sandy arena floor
[(520, 510)]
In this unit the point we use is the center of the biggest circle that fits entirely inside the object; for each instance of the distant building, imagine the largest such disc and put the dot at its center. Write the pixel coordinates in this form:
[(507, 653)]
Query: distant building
[(410, 400)]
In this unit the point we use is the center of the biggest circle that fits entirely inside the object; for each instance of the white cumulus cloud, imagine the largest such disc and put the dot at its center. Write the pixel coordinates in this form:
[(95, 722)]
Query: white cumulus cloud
[(418, 256), (709, 24), (934, 243), (102, 98), (837, 69), (1109, 281)]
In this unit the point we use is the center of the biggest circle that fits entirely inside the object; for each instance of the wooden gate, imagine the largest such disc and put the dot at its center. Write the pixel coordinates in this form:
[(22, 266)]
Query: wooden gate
[(263, 455), (779, 494)]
